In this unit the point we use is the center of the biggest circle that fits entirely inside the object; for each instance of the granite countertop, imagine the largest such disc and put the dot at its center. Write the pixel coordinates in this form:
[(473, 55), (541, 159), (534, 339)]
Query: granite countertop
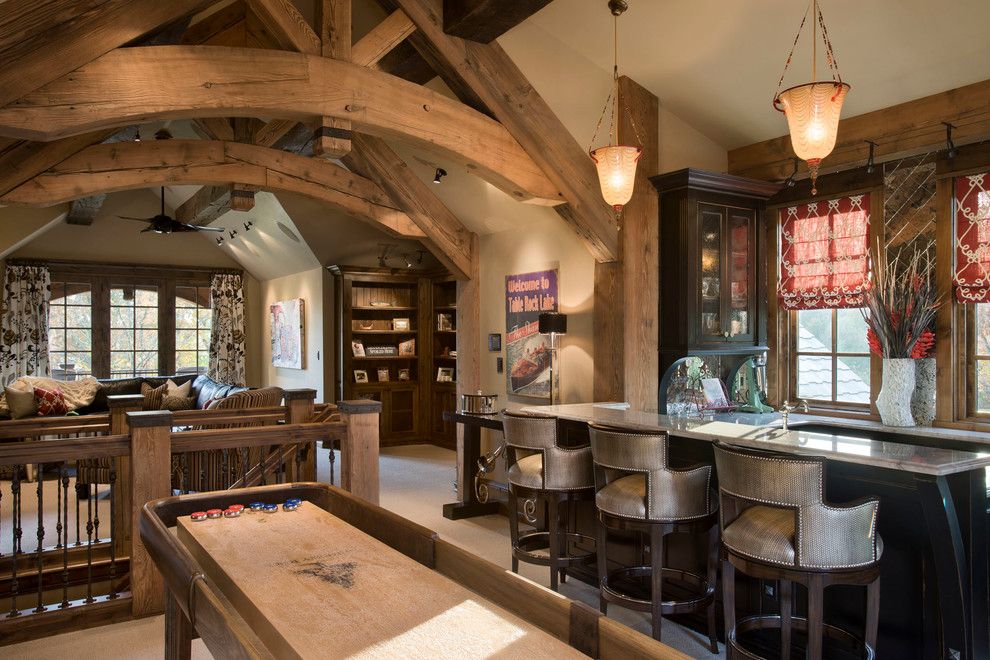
[(764, 432)]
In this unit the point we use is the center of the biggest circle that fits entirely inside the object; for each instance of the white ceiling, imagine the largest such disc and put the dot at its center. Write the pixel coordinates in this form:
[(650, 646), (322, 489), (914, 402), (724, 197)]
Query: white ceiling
[(715, 63)]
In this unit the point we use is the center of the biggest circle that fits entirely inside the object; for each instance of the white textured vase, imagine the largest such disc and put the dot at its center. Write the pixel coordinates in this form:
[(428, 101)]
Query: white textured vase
[(923, 397), (894, 400)]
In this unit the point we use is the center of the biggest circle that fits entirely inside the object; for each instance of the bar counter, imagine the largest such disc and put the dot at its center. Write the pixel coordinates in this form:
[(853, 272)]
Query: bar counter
[(932, 518)]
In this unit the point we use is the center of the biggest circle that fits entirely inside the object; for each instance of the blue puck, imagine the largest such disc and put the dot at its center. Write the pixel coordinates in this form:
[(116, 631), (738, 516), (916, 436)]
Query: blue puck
[(270, 508), (290, 506), (256, 506)]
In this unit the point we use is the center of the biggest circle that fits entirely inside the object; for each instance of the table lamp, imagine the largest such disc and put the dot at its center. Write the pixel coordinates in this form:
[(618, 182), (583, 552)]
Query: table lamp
[(553, 324)]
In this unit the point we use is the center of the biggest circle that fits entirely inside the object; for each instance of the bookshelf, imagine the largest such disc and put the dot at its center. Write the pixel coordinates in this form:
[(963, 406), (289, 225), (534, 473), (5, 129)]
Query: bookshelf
[(443, 335)]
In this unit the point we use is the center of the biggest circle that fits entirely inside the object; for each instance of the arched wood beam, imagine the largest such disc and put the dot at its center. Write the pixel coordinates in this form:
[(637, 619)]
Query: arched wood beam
[(172, 82), (105, 168)]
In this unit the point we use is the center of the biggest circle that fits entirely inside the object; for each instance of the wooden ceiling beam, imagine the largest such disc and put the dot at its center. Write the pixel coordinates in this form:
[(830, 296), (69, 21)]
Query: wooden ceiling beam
[(41, 41), (332, 138), (491, 75), (209, 203), (214, 128), (486, 20), (901, 130), (382, 39), (105, 168), (28, 159), (83, 211), (202, 81), (286, 25), (273, 131), (446, 236), (214, 26), (405, 62)]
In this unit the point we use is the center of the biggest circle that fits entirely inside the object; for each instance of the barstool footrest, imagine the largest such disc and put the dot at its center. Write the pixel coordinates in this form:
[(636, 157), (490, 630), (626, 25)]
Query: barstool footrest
[(773, 622), (528, 545), (704, 592)]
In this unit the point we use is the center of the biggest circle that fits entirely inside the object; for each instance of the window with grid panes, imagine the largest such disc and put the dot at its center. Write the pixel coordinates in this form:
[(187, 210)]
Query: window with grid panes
[(832, 361), (133, 331), (70, 330), (193, 322)]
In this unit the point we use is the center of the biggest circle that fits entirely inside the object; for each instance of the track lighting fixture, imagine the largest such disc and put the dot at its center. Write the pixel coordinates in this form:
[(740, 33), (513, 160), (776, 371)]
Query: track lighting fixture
[(870, 165), (233, 233), (441, 173), (789, 182), (219, 240), (137, 134), (950, 146), (248, 225)]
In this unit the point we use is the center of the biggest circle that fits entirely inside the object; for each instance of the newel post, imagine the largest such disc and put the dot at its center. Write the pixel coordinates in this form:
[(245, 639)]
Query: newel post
[(151, 453), (359, 450), (120, 405), (299, 410)]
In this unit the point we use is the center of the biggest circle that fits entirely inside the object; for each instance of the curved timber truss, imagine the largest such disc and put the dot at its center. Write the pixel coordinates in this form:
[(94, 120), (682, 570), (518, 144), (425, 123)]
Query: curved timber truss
[(74, 75)]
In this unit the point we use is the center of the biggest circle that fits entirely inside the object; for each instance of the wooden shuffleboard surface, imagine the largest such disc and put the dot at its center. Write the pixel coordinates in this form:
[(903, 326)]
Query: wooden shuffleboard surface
[(313, 586)]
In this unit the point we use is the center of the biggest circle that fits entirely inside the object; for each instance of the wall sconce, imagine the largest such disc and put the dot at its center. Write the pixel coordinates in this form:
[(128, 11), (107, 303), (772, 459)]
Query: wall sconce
[(441, 173)]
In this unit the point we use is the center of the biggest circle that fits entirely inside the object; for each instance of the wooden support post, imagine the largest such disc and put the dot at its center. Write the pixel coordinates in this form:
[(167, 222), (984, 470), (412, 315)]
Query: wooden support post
[(299, 410), (607, 320), (151, 439), (333, 136), (359, 451), (120, 405), (639, 249), (468, 356)]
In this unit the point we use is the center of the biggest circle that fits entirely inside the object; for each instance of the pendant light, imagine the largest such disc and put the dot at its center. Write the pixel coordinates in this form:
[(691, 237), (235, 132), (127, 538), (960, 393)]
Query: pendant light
[(813, 109), (616, 163)]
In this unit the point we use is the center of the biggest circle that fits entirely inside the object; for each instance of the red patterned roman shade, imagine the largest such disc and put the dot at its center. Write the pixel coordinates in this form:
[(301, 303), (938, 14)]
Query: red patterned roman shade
[(972, 276), (824, 253)]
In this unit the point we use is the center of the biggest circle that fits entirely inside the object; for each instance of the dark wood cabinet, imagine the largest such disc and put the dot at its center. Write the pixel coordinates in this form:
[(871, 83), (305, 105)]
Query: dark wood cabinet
[(713, 258), (394, 317)]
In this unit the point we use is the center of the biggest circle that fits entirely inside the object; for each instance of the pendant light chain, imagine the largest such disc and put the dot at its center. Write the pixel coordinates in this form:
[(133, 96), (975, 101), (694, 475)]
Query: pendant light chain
[(613, 98)]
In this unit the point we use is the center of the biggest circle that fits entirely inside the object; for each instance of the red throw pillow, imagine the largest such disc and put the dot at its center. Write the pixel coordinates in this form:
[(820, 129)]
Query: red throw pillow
[(50, 402)]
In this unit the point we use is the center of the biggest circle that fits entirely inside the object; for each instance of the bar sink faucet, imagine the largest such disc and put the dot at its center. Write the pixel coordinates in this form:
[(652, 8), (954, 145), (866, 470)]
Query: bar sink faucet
[(787, 408)]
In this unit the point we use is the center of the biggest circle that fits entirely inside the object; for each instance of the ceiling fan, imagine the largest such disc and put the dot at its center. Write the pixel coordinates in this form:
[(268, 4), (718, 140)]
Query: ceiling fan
[(164, 224)]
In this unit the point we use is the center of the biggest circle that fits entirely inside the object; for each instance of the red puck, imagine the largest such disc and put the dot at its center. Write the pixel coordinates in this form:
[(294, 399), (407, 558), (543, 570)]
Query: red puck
[(198, 515)]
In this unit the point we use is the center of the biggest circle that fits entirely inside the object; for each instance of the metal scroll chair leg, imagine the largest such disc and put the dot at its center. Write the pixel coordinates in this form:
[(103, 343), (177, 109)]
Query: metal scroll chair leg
[(656, 578), (514, 526), (553, 527), (786, 590)]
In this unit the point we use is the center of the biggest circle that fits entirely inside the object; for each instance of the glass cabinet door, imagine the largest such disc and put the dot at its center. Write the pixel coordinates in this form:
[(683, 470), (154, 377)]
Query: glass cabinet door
[(710, 253), (740, 273)]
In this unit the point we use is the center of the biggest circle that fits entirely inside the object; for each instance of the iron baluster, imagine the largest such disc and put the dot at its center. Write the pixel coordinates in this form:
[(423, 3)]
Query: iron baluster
[(298, 460), (78, 489), (244, 465), (89, 544), (15, 487), (224, 465), (58, 508), (65, 546), (184, 460), (113, 534), (261, 465), (41, 538)]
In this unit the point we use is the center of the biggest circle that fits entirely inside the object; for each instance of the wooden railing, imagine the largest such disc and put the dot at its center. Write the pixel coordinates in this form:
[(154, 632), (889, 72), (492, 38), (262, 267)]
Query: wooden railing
[(70, 555)]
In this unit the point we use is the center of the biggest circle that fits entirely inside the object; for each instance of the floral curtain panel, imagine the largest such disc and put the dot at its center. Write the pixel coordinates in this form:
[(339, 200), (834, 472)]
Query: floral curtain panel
[(824, 253), (972, 276), (27, 290), (227, 335)]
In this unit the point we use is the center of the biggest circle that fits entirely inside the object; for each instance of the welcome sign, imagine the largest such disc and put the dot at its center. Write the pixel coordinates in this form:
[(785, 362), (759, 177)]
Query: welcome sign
[(527, 351)]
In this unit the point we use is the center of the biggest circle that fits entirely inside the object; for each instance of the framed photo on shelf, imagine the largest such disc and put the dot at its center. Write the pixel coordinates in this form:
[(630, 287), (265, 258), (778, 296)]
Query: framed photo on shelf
[(445, 322), (445, 375), (407, 347), (383, 375), (358, 348), (360, 376), (400, 324), (404, 374)]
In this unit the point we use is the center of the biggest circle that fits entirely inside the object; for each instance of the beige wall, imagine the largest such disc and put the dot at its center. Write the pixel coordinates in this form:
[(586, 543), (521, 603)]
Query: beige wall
[(310, 286)]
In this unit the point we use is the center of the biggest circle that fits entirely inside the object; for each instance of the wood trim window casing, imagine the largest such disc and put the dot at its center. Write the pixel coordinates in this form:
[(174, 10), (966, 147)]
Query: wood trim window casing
[(103, 277)]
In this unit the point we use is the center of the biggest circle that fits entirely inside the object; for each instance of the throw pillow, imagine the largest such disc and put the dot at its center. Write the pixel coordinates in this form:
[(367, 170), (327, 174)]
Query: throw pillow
[(173, 403), (153, 396), (183, 390), (21, 402), (50, 402)]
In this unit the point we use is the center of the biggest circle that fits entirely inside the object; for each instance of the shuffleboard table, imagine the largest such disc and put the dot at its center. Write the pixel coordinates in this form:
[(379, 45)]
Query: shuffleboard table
[(342, 578)]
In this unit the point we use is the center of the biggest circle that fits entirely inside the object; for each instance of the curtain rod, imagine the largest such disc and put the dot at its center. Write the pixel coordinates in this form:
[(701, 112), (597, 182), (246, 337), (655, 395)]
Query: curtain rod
[(18, 261)]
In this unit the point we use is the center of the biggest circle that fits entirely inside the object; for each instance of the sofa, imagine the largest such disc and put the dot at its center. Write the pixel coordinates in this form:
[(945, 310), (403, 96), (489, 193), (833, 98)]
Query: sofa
[(204, 388)]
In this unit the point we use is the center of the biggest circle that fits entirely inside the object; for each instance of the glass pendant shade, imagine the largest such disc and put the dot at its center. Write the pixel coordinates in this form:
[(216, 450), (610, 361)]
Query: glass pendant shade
[(812, 112), (616, 166)]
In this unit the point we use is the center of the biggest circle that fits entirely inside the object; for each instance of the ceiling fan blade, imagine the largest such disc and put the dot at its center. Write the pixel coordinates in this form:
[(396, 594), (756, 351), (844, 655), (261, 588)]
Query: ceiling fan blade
[(127, 217), (201, 228)]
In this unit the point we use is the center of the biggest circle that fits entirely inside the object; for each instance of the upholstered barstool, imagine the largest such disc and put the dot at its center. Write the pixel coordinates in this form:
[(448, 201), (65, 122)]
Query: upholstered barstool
[(637, 490), (544, 473), (777, 525)]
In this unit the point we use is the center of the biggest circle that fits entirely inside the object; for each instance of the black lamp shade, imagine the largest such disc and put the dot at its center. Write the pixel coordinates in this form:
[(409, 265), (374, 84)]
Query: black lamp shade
[(553, 322)]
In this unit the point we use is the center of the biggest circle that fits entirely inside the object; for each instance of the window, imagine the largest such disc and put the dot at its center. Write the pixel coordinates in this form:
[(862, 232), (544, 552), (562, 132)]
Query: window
[(833, 357), (133, 331), (116, 322), (193, 320), (70, 330)]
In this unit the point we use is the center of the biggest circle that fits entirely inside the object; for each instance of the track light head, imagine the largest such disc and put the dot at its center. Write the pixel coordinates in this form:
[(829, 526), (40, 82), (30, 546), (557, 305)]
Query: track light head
[(441, 173)]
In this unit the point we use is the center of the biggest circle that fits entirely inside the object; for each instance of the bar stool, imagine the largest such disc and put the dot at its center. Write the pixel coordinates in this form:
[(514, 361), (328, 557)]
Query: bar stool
[(541, 471), (638, 490), (776, 525)]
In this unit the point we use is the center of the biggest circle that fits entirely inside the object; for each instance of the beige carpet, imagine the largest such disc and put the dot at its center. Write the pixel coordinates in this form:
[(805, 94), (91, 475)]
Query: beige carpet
[(415, 482)]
